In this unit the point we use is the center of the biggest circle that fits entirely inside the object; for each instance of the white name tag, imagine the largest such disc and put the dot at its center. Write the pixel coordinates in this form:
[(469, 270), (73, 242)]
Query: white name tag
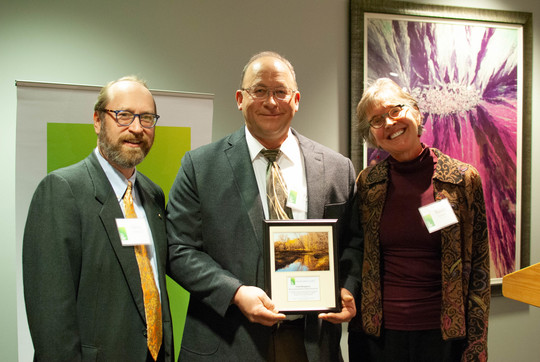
[(133, 231), (438, 215)]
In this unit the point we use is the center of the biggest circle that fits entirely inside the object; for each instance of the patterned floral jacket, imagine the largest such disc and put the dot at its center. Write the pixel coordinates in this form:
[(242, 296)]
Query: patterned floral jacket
[(465, 253)]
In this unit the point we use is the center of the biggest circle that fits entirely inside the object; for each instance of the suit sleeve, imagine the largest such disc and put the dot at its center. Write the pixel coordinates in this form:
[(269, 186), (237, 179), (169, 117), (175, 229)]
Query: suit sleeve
[(51, 268), (189, 264), (352, 242)]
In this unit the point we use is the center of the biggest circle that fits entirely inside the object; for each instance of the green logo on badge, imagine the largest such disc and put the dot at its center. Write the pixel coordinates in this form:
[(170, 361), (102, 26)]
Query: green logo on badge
[(429, 221), (292, 197), (123, 233)]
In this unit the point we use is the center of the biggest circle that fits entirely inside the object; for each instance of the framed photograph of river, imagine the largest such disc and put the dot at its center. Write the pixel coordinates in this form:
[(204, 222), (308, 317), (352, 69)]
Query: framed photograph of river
[(301, 265)]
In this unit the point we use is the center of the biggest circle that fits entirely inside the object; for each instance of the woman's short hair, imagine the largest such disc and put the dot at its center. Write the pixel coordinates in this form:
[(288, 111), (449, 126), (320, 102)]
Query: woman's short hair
[(382, 90)]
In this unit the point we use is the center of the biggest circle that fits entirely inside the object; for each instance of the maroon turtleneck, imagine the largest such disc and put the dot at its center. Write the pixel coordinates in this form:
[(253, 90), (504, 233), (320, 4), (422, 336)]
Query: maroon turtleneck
[(411, 256)]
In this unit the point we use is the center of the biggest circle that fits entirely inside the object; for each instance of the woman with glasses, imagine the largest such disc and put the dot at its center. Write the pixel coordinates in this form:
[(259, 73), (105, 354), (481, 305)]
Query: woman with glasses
[(425, 277)]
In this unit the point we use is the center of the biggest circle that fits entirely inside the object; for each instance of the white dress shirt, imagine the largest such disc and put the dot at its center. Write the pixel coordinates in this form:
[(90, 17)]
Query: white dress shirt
[(119, 184), (291, 163)]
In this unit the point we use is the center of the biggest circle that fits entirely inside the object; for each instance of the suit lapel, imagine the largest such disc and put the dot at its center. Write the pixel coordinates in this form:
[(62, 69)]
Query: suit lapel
[(237, 154), (314, 163), (154, 216), (109, 213)]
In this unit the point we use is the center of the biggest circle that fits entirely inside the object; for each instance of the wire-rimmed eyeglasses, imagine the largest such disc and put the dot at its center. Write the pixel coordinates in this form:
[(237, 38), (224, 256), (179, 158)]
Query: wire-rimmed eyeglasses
[(393, 113), (260, 93)]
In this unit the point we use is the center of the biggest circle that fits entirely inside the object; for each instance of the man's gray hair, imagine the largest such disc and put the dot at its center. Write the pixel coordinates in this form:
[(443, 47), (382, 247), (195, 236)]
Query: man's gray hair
[(268, 54), (103, 96)]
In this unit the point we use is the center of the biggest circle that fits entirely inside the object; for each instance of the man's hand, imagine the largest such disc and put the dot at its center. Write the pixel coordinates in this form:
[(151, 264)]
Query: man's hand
[(348, 309), (256, 306)]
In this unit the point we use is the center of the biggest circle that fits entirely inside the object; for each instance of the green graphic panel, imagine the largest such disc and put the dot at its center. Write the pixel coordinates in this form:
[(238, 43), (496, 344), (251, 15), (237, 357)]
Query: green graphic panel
[(69, 143)]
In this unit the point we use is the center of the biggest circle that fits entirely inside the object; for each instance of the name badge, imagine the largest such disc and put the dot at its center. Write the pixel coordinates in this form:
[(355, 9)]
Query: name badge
[(297, 200), (438, 215), (133, 231)]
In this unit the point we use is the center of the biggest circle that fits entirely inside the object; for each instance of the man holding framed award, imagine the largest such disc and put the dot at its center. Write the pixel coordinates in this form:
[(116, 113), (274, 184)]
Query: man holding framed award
[(219, 200)]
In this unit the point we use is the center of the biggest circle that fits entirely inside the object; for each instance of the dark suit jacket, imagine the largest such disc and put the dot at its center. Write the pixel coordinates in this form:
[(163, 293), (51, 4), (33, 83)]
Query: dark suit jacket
[(215, 233), (82, 288)]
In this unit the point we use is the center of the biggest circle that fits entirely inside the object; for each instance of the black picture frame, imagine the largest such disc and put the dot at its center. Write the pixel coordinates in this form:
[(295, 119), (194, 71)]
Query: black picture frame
[(301, 261)]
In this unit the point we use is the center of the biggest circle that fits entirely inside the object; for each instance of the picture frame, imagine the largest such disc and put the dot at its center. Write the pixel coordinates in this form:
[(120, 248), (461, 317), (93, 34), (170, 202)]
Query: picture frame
[(375, 43), (301, 265)]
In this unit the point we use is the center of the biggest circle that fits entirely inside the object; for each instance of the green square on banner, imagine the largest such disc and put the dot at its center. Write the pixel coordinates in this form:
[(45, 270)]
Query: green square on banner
[(69, 143)]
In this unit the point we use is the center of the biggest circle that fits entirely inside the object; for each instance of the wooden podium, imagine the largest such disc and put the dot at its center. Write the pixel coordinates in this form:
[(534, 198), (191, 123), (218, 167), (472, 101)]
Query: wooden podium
[(523, 285)]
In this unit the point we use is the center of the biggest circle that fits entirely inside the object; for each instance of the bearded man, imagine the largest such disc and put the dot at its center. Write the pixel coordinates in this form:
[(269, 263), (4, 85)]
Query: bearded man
[(95, 245)]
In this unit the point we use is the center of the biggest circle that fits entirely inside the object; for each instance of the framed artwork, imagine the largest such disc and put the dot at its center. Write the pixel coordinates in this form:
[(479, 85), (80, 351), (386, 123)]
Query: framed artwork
[(301, 265), (470, 71)]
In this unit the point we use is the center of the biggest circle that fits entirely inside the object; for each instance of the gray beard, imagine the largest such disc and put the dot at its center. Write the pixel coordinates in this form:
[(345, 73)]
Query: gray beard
[(114, 153)]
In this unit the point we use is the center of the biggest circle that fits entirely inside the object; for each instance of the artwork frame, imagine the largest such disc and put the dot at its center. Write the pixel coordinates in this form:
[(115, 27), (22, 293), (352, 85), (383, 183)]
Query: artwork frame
[(301, 262), (359, 74)]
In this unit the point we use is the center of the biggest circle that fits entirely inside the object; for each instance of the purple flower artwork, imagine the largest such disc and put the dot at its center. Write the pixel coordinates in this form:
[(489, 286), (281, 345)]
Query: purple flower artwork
[(465, 77)]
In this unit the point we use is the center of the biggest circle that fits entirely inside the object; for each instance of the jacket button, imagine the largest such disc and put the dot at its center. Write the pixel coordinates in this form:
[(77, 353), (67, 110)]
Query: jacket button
[(144, 333)]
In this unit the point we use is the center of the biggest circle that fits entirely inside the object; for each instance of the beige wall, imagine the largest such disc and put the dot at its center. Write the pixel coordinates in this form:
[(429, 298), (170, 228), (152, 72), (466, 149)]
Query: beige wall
[(200, 46)]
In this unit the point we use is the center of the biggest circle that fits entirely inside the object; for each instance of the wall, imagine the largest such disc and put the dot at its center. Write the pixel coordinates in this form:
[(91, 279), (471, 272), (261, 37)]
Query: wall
[(200, 46)]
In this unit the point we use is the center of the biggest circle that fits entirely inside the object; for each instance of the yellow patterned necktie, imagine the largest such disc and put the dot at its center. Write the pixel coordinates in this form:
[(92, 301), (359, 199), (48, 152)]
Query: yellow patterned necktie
[(276, 188), (152, 304)]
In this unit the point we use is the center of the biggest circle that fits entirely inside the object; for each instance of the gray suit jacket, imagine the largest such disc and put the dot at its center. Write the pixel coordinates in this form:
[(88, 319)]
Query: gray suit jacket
[(82, 287), (215, 233)]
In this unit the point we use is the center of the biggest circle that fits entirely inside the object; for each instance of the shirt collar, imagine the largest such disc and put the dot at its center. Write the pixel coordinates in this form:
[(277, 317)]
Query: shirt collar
[(289, 147), (117, 180)]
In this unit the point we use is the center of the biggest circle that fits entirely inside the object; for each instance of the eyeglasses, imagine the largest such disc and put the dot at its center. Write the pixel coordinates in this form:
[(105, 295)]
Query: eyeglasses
[(125, 118), (260, 93), (393, 113)]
